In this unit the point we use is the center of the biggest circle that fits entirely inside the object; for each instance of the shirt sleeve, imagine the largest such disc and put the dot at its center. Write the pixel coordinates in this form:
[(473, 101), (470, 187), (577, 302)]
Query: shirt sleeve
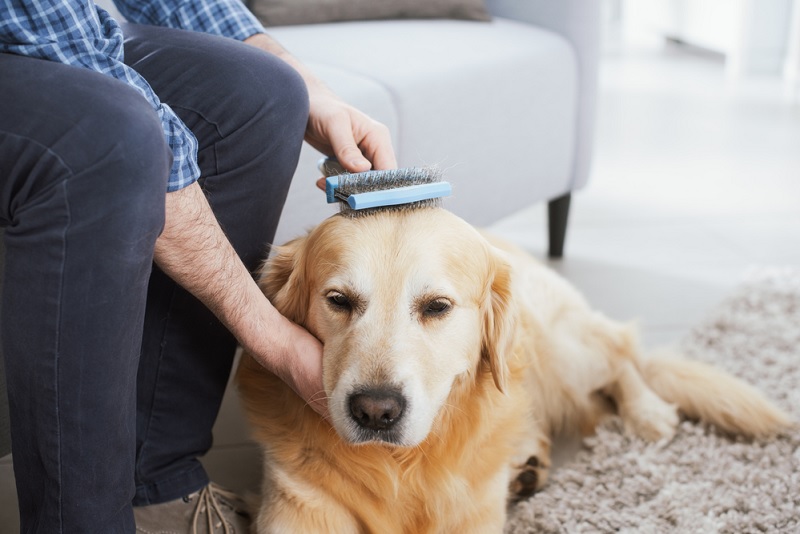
[(80, 34), (228, 18)]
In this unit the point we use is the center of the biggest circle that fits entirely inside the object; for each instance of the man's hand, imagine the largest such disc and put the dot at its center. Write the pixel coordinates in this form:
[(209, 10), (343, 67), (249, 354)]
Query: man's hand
[(193, 251), (336, 128)]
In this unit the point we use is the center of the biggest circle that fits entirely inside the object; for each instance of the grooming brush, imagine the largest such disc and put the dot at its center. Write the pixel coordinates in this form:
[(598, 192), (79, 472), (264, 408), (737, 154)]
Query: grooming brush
[(367, 191)]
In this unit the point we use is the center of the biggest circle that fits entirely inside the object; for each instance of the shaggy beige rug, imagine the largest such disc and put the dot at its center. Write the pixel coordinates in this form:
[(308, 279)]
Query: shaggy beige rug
[(701, 481)]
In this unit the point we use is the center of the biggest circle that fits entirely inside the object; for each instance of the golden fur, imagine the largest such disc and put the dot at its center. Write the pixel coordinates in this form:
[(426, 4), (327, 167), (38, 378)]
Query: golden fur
[(495, 354)]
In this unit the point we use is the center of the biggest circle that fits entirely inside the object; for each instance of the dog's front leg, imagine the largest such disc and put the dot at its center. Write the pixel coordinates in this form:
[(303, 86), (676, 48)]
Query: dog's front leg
[(486, 513), (293, 507), (530, 467)]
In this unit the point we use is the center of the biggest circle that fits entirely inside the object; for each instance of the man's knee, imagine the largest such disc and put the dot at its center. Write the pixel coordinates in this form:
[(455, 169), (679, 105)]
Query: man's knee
[(287, 100), (125, 165), (280, 111), (273, 99), (124, 137), (252, 101), (90, 132)]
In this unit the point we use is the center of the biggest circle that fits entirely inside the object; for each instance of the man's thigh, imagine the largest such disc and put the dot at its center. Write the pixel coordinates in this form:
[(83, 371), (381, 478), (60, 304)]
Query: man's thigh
[(248, 110)]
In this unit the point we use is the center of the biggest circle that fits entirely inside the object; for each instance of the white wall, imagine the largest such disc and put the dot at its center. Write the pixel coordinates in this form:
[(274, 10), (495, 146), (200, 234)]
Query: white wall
[(754, 35)]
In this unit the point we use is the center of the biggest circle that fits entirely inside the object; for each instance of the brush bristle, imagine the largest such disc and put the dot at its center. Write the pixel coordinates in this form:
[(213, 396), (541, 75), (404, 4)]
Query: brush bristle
[(365, 182)]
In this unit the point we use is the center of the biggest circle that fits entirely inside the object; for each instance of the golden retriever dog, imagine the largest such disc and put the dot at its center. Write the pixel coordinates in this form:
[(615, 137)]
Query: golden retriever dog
[(451, 360)]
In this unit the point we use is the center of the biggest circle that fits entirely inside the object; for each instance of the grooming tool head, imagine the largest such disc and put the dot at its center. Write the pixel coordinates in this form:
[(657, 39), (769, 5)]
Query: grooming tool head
[(370, 191)]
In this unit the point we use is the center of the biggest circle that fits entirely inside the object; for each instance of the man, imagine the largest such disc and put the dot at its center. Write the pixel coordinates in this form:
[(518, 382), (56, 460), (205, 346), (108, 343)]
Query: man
[(177, 153)]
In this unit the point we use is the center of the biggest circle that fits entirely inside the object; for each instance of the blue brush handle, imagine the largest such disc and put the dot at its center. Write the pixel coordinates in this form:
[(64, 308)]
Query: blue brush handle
[(331, 184), (399, 195)]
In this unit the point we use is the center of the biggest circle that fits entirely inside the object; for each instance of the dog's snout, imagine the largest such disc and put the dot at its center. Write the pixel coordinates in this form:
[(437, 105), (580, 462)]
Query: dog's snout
[(377, 409)]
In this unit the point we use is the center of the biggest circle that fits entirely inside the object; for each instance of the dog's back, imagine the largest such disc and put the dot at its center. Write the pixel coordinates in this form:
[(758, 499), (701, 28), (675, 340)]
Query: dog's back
[(586, 354)]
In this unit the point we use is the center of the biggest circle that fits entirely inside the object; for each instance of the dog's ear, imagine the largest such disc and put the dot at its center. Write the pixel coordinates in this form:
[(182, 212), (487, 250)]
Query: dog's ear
[(283, 280), (498, 319)]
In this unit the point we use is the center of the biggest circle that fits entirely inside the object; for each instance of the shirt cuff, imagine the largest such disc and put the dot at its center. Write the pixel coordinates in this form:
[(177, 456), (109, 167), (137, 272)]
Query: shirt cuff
[(183, 145)]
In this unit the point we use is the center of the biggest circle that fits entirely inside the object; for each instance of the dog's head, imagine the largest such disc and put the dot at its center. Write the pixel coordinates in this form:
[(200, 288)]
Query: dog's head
[(407, 304)]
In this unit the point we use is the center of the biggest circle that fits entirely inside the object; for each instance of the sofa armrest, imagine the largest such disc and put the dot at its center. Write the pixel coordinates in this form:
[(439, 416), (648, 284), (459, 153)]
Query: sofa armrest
[(579, 22)]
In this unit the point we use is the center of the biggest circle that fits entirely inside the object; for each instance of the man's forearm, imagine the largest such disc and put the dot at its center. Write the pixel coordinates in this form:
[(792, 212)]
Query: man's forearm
[(194, 251)]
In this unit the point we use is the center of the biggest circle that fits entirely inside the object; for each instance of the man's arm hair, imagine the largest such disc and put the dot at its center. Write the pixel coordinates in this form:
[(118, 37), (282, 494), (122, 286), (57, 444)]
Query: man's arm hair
[(194, 251)]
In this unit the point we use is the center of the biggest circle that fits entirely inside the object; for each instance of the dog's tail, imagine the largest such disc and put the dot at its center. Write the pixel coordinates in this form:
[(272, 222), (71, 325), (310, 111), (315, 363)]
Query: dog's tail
[(703, 392)]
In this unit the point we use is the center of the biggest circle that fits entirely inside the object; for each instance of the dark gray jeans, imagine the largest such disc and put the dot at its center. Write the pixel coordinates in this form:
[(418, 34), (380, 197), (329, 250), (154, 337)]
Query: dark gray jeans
[(115, 374)]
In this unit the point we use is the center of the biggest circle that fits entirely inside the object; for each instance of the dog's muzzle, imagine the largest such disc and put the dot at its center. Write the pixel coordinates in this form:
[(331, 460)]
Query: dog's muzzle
[(377, 413)]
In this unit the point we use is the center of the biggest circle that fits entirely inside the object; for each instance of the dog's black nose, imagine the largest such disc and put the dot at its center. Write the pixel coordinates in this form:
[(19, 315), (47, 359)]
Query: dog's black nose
[(377, 409)]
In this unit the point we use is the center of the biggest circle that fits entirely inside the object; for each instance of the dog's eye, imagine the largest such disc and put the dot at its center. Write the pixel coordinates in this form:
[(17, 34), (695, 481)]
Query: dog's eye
[(339, 301), (436, 308)]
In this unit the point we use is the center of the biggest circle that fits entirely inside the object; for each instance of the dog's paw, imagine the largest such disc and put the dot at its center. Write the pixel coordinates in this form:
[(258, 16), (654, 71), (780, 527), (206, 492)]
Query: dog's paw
[(651, 418), (529, 478)]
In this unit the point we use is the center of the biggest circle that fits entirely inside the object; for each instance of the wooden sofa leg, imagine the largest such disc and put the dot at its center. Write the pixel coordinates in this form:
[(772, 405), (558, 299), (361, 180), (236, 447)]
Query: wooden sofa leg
[(557, 214)]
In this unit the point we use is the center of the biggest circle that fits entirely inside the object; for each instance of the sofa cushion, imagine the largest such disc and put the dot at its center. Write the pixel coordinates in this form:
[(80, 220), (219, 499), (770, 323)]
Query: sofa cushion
[(286, 12), (493, 104)]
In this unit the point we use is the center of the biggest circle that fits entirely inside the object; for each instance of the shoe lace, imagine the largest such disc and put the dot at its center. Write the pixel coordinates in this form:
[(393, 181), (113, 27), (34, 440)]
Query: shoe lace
[(209, 506)]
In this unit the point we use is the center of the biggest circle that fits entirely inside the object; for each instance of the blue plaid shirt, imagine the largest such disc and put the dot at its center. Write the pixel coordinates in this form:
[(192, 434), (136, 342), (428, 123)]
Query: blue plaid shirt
[(77, 32)]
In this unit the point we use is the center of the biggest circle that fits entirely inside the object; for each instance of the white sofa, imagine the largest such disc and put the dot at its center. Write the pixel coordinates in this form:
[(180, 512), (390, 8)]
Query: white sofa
[(505, 107)]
